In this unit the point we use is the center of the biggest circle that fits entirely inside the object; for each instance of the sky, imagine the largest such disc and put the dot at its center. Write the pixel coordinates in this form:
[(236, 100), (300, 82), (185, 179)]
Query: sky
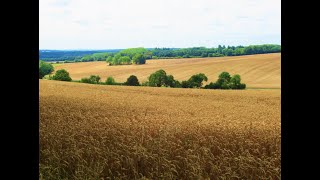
[(118, 24)]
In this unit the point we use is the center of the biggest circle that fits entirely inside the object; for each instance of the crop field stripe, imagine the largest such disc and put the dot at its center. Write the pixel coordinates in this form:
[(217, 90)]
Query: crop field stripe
[(261, 70)]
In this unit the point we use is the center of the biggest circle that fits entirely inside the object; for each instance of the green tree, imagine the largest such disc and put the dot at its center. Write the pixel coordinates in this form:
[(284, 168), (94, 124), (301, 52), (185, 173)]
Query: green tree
[(196, 80), (44, 69), (224, 78), (185, 84), (212, 86), (110, 81), (61, 75), (204, 54), (109, 59), (186, 56), (235, 82), (115, 61), (125, 60), (158, 78), (171, 82), (132, 81), (94, 79), (139, 59), (85, 80)]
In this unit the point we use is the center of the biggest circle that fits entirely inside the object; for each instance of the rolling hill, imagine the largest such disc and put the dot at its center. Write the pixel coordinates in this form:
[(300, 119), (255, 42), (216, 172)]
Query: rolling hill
[(257, 71)]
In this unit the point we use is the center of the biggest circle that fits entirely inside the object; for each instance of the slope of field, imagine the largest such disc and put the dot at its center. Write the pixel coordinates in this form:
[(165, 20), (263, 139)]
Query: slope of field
[(98, 131), (257, 71)]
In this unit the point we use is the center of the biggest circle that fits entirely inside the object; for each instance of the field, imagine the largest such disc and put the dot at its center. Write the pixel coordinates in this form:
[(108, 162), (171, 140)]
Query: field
[(119, 132), (257, 71)]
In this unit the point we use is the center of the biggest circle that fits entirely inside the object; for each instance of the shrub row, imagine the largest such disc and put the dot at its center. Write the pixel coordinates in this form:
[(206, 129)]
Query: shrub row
[(161, 79)]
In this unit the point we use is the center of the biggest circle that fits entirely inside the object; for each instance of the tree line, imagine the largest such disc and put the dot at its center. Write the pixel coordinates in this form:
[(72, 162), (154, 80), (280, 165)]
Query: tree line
[(214, 52), (126, 56), (70, 55), (157, 79)]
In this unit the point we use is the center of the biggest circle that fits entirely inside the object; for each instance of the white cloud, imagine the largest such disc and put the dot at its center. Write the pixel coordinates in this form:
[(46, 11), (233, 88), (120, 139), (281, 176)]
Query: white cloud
[(102, 24)]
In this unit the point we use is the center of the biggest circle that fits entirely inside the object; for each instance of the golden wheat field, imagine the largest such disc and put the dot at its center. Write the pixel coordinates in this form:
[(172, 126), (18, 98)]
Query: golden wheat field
[(119, 132), (257, 71)]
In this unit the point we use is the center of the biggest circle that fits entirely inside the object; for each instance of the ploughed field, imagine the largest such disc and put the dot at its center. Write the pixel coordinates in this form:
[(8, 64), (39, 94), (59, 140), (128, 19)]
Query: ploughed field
[(257, 71), (119, 132)]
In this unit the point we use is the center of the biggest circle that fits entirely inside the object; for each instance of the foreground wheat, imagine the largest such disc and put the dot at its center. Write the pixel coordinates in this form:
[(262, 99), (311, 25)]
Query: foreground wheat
[(111, 132)]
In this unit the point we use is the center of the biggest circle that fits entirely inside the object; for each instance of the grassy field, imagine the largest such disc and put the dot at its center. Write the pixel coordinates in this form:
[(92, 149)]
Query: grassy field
[(119, 132), (257, 71), (56, 64)]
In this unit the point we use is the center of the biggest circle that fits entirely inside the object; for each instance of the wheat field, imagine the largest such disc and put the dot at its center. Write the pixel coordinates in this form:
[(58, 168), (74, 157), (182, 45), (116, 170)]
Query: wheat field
[(257, 71), (120, 132)]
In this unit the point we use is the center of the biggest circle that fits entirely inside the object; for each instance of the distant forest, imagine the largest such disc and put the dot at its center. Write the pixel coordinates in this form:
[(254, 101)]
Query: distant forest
[(156, 53), (69, 55)]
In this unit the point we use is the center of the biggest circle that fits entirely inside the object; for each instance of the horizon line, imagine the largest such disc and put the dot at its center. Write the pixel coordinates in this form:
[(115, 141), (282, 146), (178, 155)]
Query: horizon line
[(84, 49)]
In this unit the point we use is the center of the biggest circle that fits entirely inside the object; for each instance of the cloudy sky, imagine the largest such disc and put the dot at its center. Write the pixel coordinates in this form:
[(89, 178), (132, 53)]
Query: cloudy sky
[(112, 24)]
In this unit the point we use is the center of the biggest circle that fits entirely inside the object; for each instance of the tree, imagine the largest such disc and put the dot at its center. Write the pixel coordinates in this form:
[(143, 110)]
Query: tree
[(110, 81), (158, 78), (212, 86), (61, 75), (85, 80), (224, 77), (109, 59), (177, 84), (132, 81), (115, 61), (186, 56), (94, 79), (225, 81), (171, 82), (196, 80), (125, 60), (185, 84), (139, 59), (44, 69), (235, 82)]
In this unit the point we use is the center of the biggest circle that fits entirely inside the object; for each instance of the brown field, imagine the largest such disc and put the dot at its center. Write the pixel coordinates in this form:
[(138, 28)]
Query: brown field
[(257, 71), (118, 132)]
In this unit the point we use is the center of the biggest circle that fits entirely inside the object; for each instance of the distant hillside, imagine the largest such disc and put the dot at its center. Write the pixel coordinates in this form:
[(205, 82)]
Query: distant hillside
[(257, 71), (155, 53), (71, 55)]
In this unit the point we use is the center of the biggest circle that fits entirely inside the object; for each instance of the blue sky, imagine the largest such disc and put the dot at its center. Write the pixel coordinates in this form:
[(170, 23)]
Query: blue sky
[(112, 24)]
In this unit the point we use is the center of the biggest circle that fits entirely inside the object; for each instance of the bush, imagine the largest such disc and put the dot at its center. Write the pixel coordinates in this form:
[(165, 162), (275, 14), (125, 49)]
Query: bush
[(196, 80), (158, 78), (146, 83), (139, 59), (110, 81), (93, 79), (204, 55), (125, 60), (44, 69), (225, 81), (186, 56), (85, 80), (185, 84), (212, 86), (62, 75), (242, 86), (177, 84), (132, 81)]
